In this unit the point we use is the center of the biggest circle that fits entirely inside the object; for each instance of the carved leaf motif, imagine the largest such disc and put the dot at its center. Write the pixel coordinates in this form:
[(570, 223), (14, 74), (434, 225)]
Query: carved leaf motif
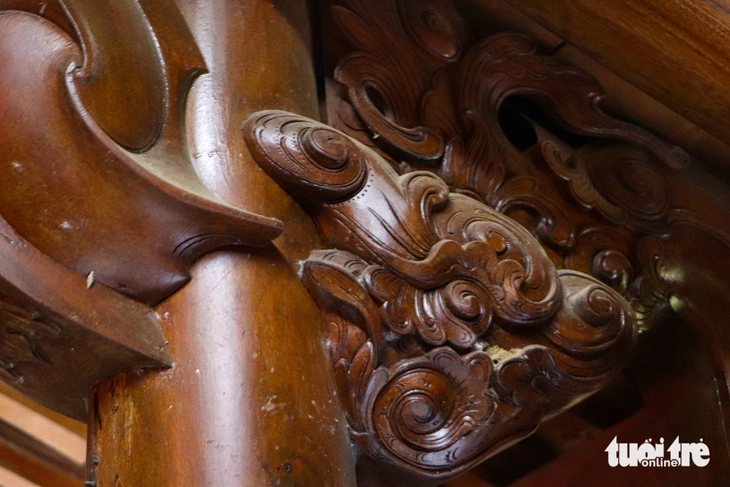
[(618, 181), (528, 378), (609, 167), (428, 404), (398, 72), (603, 253)]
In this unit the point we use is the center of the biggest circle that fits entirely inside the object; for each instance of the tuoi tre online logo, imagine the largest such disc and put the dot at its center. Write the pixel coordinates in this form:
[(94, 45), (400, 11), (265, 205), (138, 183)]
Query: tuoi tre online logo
[(654, 455)]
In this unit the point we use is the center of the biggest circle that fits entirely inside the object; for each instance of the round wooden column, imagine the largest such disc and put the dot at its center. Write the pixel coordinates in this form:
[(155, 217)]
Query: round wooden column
[(251, 399)]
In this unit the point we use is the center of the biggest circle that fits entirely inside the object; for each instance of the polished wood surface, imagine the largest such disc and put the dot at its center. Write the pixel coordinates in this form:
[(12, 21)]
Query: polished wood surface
[(622, 98), (514, 128), (674, 50), (62, 334), (235, 293), (418, 276), (251, 397), (669, 391)]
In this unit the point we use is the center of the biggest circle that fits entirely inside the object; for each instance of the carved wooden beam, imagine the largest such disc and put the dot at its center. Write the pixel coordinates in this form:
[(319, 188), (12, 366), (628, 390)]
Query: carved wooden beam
[(434, 299), (452, 332), (61, 334), (98, 175), (601, 195), (102, 212), (675, 51)]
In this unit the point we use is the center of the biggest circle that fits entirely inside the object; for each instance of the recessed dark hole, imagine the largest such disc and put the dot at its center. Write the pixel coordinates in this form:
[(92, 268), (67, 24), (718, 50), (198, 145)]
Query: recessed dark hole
[(528, 455), (377, 99), (617, 401), (518, 129), (532, 110)]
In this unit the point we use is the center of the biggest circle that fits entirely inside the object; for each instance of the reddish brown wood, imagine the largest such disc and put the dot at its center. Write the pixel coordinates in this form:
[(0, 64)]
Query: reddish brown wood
[(675, 51), (451, 330), (138, 220), (492, 232), (251, 399), (599, 194), (590, 187), (60, 334), (680, 399)]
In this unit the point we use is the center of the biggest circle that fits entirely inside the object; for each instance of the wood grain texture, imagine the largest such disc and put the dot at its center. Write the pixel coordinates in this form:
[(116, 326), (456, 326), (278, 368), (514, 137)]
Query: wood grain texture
[(602, 196), (61, 335), (251, 400), (621, 98), (676, 51), (138, 220)]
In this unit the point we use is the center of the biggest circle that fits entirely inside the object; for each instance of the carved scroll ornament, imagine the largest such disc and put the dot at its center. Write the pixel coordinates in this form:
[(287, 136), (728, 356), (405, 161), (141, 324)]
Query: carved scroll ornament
[(452, 331), (96, 173), (101, 211), (598, 193)]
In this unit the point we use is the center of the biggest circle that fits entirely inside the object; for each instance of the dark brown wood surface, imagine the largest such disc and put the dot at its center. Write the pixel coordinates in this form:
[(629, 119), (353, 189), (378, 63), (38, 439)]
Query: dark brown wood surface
[(516, 129)]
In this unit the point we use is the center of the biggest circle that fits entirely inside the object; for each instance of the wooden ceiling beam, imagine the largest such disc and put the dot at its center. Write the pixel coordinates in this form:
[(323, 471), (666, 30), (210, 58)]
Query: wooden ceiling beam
[(36, 461), (677, 51)]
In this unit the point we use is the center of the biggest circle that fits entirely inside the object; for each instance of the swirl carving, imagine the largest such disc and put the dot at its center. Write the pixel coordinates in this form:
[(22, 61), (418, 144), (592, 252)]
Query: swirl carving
[(424, 406), (451, 330), (448, 264), (577, 173), (618, 181)]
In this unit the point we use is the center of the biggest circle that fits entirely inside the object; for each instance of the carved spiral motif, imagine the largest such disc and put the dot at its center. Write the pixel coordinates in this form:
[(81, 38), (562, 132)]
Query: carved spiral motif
[(612, 267), (522, 280), (428, 404), (592, 329), (416, 266), (456, 313), (431, 29), (315, 162), (602, 253), (625, 177)]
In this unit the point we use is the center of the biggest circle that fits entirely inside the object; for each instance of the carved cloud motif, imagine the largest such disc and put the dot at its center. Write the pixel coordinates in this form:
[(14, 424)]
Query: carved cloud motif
[(451, 330)]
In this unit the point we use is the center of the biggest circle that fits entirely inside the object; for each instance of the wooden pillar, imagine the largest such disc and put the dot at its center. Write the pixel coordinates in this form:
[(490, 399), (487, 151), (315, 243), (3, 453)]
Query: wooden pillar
[(251, 398)]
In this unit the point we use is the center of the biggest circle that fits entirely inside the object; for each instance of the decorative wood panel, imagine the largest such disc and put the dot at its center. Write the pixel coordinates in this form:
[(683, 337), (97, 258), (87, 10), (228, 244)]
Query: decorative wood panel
[(452, 329), (601, 195), (452, 332)]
